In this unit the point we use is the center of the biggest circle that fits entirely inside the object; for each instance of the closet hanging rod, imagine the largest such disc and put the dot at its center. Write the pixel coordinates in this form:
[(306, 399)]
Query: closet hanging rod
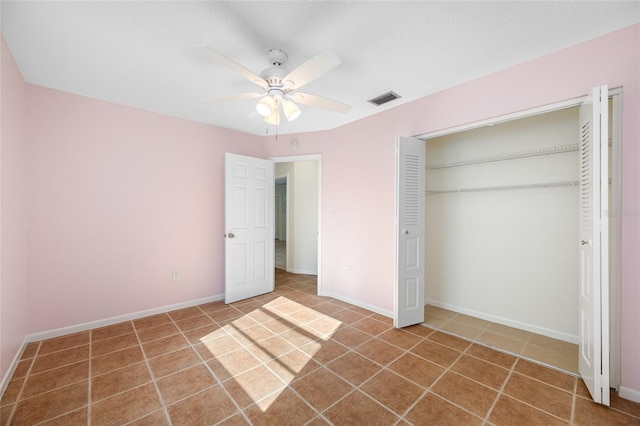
[(505, 187), (512, 156)]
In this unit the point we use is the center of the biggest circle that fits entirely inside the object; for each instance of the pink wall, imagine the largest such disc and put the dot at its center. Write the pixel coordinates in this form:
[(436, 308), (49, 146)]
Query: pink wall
[(13, 217), (359, 173), (118, 199)]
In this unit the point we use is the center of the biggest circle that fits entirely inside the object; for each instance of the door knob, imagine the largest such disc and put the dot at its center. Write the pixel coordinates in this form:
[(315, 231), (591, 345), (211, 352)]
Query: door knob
[(405, 232), (584, 243), (230, 235)]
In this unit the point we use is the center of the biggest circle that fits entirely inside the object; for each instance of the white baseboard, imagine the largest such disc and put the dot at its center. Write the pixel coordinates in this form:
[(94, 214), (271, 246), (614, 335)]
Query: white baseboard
[(377, 310), (630, 394), (96, 324), (114, 320), (12, 368), (302, 271), (554, 334)]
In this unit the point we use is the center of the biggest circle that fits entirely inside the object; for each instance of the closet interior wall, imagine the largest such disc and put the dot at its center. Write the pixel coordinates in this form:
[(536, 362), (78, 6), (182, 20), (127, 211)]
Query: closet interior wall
[(502, 223)]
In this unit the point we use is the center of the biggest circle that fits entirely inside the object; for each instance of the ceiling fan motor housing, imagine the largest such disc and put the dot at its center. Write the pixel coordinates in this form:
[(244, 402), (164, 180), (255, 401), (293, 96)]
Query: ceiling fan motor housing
[(277, 57), (276, 92), (274, 75)]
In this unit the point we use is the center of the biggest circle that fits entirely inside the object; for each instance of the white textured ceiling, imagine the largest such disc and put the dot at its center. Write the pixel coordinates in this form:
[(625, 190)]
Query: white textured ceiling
[(145, 54)]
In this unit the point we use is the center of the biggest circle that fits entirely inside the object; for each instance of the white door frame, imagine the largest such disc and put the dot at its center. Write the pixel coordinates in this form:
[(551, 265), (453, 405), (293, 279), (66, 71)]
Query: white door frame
[(293, 159), (615, 244), (615, 284)]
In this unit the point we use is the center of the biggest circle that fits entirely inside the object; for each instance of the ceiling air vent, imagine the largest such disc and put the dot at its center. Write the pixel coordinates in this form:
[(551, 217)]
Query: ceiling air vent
[(384, 98)]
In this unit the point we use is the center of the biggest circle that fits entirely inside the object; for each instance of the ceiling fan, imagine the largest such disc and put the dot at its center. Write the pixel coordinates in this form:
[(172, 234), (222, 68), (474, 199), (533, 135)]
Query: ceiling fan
[(280, 89)]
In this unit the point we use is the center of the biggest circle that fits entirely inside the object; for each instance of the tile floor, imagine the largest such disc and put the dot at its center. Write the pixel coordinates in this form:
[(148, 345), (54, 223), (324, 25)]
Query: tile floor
[(553, 352), (290, 357)]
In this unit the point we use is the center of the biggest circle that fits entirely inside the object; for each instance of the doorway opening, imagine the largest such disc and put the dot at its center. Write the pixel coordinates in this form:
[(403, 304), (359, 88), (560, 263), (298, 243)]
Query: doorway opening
[(281, 222), (298, 207)]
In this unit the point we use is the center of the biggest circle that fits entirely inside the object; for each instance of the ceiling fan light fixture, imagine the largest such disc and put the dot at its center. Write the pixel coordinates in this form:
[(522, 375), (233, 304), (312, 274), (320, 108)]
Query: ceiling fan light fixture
[(266, 106), (273, 118), (291, 110)]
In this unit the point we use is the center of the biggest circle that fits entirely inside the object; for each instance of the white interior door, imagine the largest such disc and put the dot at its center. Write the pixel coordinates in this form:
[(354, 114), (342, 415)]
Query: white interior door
[(594, 245), (249, 227), (409, 288)]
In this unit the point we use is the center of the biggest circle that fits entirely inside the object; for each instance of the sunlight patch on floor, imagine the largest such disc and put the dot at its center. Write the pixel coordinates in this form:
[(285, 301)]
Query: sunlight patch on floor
[(265, 349)]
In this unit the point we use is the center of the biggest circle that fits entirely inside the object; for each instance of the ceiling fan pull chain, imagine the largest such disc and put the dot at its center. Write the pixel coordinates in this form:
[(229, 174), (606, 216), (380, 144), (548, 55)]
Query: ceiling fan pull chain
[(266, 131)]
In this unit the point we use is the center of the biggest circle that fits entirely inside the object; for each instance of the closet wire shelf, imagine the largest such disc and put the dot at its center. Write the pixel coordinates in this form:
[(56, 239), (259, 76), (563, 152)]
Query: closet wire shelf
[(511, 156), (506, 187)]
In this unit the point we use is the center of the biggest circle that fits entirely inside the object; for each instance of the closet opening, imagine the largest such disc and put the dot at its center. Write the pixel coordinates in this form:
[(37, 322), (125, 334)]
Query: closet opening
[(501, 225)]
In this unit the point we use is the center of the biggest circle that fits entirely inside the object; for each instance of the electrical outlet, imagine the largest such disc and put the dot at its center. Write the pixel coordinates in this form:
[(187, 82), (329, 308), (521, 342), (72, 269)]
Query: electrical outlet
[(175, 276)]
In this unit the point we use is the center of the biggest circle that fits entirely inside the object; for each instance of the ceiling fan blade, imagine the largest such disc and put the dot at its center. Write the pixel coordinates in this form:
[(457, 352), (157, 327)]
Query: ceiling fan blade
[(236, 67), (320, 102), (312, 69), (235, 98)]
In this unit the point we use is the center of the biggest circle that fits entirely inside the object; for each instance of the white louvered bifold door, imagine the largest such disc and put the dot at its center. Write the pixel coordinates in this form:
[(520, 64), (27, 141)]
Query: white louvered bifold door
[(594, 246), (409, 288)]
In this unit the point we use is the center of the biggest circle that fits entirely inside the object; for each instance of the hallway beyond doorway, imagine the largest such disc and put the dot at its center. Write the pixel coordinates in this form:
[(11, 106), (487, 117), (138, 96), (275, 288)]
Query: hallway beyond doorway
[(281, 255)]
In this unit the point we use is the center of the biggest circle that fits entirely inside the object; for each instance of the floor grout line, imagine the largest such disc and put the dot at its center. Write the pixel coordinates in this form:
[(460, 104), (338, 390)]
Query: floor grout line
[(213, 374), (447, 370), (524, 344), (289, 384), (573, 402), (90, 379), (24, 382), (503, 350), (163, 406), (500, 391), (262, 363), (293, 323)]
